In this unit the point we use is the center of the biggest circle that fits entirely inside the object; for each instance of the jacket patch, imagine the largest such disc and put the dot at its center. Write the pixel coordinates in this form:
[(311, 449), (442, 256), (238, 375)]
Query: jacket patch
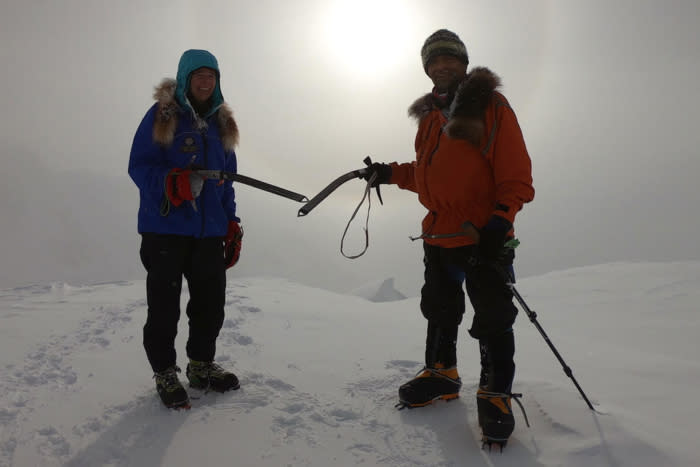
[(188, 145)]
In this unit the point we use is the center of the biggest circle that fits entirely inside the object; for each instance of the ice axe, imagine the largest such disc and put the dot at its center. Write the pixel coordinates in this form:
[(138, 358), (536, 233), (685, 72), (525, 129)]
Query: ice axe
[(323, 194), (335, 184), (236, 177)]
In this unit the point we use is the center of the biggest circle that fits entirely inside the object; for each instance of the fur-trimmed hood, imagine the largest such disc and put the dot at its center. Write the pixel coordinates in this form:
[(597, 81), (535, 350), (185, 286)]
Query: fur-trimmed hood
[(466, 115), (169, 111), (191, 61)]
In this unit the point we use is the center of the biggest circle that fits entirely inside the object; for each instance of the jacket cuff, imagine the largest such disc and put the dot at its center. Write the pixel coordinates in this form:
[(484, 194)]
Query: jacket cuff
[(506, 212)]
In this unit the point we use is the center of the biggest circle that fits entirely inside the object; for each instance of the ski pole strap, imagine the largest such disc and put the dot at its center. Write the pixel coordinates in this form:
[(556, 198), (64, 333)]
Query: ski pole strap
[(236, 177), (367, 196)]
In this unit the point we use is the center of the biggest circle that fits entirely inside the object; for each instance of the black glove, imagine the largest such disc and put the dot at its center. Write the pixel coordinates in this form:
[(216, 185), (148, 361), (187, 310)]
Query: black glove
[(383, 172), (493, 237)]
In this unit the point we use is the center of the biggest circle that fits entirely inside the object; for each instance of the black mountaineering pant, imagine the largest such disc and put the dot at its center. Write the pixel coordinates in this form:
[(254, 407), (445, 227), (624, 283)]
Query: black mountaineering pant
[(443, 305), (167, 259)]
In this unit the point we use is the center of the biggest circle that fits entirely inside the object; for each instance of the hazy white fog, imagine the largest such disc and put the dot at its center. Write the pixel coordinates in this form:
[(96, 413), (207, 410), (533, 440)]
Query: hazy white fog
[(605, 93)]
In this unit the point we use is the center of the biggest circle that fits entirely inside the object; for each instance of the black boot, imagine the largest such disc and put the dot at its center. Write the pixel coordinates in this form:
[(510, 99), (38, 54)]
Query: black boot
[(493, 399), (430, 385), (170, 390), (439, 379), (209, 375), (495, 416)]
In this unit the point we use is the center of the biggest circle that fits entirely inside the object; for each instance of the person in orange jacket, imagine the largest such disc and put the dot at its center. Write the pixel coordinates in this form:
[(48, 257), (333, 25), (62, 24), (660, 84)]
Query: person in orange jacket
[(473, 174)]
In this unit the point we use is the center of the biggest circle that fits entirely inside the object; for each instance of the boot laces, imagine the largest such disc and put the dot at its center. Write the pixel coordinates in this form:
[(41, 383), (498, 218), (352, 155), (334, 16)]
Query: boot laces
[(215, 370), (437, 372), (207, 369), (168, 378)]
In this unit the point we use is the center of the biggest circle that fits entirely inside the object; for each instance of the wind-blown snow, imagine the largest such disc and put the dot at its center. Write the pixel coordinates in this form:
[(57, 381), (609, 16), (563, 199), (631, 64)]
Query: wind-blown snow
[(320, 371)]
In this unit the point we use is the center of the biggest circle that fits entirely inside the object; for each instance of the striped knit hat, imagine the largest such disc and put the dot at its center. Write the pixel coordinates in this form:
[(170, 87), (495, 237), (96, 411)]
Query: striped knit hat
[(443, 42)]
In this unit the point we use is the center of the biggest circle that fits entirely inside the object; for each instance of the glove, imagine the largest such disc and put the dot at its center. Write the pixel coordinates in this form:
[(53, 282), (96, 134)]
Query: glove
[(183, 185), (383, 172), (492, 237), (232, 244)]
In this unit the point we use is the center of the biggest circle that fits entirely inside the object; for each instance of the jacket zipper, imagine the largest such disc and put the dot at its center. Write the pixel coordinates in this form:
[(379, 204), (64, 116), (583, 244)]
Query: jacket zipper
[(203, 133), (437, 146), (420, 155), (430, 160)]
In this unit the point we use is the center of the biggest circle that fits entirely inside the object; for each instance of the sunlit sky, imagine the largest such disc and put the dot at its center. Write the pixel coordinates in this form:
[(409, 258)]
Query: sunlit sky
[(604, 92)]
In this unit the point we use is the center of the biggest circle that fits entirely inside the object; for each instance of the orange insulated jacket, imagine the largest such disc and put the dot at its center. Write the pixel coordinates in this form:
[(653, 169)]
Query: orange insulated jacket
[(471, 161)]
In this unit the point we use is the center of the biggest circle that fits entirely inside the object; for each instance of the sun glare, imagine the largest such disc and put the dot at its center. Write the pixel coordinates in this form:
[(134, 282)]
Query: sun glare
[(367, 36)]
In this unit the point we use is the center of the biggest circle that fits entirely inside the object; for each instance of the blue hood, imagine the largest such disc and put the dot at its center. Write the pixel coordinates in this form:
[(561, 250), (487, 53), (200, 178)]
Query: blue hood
[(190, 61)]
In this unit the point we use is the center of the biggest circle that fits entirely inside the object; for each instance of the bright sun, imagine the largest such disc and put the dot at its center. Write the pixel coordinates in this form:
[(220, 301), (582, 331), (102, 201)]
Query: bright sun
[(367, 37)]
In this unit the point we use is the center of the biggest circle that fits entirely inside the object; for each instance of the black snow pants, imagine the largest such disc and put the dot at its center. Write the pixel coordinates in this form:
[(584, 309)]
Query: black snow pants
[(443, 305), (167, 259)]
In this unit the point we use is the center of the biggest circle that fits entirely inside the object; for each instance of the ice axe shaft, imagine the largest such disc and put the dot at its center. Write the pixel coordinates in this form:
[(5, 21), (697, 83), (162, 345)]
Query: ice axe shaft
[(334, 185), (236, 177)]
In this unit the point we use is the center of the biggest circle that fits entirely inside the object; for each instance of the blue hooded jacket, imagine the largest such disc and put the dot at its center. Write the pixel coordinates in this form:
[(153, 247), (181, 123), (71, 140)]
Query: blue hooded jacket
[(171, 135)]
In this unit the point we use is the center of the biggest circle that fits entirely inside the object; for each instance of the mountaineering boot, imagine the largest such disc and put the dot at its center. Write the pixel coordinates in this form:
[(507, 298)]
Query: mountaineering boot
[(439, 378), (209, 375), (495, 416), (430, 385), (170, 390)]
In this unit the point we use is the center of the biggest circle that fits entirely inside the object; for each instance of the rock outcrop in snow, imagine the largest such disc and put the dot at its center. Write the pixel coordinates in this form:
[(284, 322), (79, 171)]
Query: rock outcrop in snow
[(383, 291)]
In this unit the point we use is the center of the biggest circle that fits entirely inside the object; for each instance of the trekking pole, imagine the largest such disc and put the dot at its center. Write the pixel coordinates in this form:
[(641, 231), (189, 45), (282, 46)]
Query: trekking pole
[(510, 282), (533, 318)]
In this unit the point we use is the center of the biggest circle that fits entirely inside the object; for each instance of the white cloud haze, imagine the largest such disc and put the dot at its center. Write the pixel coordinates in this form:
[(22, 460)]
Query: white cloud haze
[(604, 92)]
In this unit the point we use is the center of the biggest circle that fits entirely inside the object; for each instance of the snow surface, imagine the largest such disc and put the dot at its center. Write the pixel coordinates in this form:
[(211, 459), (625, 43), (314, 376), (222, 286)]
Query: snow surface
[(320, 371)]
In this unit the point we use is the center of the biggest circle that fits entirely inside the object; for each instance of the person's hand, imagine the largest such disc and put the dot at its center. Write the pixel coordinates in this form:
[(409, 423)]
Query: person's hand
[(183, 185), (232, 244), (492, 238), (383, 172)]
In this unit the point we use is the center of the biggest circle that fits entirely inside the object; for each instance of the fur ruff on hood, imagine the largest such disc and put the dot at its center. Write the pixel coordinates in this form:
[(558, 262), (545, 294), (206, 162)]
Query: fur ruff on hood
[(472, 98), (167, 114)]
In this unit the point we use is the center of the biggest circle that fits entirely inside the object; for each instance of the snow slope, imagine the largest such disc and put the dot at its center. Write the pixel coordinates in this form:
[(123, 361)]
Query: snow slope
[(320, 373)]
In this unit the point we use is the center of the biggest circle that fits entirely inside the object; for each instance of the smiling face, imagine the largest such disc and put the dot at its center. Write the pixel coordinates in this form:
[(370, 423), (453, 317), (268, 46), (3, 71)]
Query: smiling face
[(446, 72), (202, 84)]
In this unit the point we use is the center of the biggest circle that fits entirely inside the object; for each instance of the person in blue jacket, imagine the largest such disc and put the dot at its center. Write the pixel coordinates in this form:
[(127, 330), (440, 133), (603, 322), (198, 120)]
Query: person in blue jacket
[(188, 225)]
